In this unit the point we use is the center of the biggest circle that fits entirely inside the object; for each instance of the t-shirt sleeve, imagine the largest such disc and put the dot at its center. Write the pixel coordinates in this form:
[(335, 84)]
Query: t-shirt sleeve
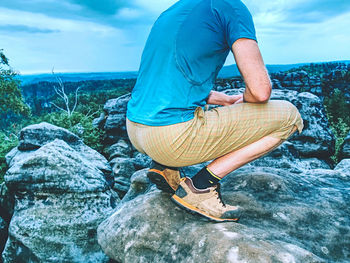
[(235, 20)]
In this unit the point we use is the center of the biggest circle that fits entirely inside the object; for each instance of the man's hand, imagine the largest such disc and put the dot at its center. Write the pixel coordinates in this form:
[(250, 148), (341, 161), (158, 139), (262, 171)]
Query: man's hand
[(220, 98), (235, 99), (239, 99)]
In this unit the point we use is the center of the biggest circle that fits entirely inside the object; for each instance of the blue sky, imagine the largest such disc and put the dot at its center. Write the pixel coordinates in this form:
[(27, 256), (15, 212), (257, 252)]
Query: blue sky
[(109, 35)]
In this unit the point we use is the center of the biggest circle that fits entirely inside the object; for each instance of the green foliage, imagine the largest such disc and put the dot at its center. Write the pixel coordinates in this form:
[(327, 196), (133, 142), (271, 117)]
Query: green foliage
[(337, 107), (338, 113), (7, 143), (10, 95), (78, 123)]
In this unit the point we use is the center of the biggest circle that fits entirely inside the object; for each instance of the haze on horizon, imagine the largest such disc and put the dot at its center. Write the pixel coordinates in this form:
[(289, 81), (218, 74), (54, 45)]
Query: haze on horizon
[(109, 35)]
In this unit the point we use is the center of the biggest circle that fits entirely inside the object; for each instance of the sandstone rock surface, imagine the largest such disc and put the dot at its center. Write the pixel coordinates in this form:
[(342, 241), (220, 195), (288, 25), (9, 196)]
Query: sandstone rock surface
[(288, 217), (60, 198), (345, 148)]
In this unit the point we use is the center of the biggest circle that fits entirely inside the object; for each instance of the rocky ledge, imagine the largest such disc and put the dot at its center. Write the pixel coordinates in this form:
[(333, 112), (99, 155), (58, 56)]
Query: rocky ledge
[(288, 217), (60, 195)]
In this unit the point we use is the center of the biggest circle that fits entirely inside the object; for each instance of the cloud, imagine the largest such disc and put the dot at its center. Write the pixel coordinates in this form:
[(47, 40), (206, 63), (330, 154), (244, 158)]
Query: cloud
[(113, 13), (41, 22), (317, 10), (299, 11), (109, 35), (105, 7), (26, 29)]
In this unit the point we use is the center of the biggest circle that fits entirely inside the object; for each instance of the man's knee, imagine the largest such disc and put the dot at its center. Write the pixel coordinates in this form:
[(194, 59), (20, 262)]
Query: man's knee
[(291, 116)]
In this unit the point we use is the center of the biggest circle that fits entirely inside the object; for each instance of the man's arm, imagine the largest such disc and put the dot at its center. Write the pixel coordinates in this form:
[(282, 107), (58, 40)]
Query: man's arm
[(251, 65), (220, 98)]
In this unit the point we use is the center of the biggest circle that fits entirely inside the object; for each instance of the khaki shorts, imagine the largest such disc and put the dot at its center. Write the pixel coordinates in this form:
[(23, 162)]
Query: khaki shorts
[(214, 133)]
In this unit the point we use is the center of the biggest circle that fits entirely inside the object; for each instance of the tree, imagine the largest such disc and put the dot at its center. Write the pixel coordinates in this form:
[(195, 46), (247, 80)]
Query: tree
[(11, 100), (60, 91)]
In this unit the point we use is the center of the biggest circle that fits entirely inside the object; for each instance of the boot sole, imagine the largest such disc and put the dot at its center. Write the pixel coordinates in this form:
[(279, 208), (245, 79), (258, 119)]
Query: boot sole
[(193, 210), (157, 177)]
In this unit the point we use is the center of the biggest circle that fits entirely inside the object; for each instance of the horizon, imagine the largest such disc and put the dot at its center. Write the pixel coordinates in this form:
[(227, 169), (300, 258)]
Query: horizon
[(133, 71), (109, 36)]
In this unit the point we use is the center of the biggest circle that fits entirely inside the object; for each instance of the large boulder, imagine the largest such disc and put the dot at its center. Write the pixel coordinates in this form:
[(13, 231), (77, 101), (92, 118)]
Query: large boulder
[(120, 149), (287, 217), (7, 203), (61, 197), (116, 117), (317, 139), (345, 148), (34, 136), (123, 168), (344, 168)]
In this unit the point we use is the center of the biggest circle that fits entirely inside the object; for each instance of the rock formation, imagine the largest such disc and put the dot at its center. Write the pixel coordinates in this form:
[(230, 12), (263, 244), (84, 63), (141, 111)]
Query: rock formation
[(61, 195), (288, 217), (345, 148)]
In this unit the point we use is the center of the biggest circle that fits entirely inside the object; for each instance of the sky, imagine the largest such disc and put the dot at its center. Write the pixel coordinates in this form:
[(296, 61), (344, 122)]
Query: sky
[(109, 35)]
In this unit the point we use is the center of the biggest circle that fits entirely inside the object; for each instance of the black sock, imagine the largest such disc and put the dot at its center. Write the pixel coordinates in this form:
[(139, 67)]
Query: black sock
[(205, 178)]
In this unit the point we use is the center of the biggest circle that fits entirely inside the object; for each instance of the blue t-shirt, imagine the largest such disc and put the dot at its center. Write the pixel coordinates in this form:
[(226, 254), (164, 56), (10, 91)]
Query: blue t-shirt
[(187, 47)]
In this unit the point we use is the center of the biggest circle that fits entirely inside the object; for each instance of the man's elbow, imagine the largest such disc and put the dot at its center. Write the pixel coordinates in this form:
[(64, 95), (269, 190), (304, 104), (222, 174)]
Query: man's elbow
[(265, 93)]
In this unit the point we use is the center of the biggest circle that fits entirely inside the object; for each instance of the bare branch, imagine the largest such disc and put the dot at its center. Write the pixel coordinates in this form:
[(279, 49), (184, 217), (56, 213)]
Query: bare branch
[(60, 91), (76, 99), (58, 107)]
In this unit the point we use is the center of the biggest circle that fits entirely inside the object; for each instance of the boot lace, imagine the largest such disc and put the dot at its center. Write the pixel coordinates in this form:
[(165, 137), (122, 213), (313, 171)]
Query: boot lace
[(218, 194)]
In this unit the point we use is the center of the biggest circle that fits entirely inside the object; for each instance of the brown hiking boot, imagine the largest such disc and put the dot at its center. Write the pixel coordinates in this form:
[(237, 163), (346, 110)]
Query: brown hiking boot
[(206, 202), (165, 178)]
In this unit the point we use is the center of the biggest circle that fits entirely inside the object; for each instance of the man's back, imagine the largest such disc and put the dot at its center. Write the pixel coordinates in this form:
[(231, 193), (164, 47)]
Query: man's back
[(185, 50)]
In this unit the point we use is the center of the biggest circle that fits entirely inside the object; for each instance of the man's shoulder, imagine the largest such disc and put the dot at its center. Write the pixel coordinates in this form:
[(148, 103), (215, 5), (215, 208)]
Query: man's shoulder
[(227, 3)]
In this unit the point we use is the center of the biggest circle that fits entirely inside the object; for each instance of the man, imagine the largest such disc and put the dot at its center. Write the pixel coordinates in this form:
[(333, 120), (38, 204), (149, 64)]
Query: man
[(166, 120)]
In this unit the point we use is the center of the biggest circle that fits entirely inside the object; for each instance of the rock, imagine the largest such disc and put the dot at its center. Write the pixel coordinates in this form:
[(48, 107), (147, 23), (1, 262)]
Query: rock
[(295, 80), (120, 149), (79, 129), (317, 139), (344, 168), (7, 203), (121, 185), (315, 81), (100, 121), (288, 217), (116, 117), (316, 90), (220, 88), (276, 84), (55, 167), (139, 184), (3, 234), (122, 169), (16, 155), (345, 148), (287, 158), (34, 136), (61, 197), (141, 161)]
